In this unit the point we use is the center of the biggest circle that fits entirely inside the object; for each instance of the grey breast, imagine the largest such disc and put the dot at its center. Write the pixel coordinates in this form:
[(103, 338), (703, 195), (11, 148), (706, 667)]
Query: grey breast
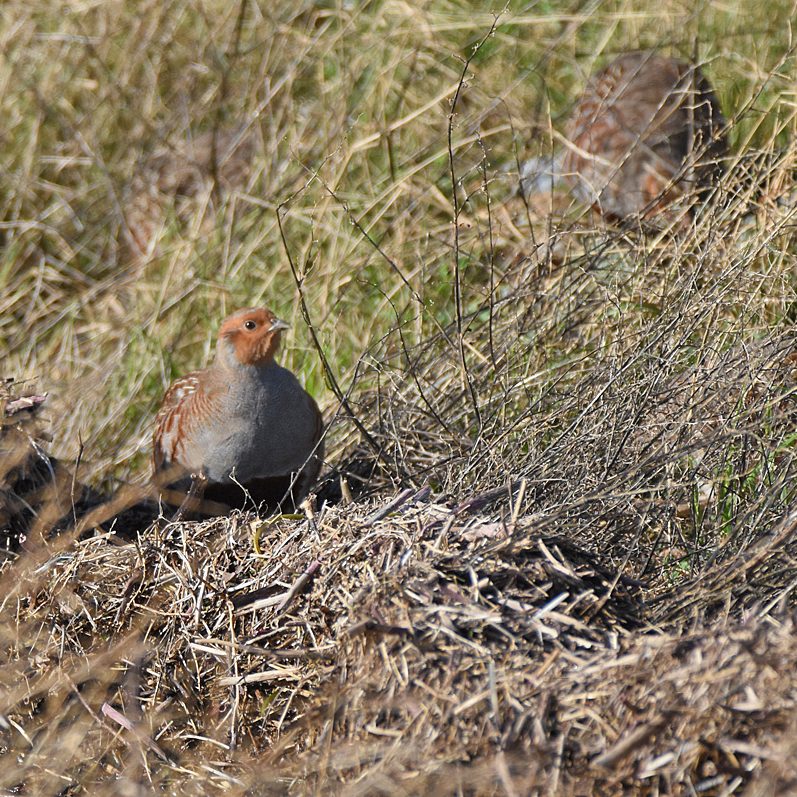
[(270, 430)]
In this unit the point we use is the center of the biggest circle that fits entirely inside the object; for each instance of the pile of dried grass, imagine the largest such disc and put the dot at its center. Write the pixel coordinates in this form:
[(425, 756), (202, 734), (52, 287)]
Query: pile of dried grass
[(389, 647)]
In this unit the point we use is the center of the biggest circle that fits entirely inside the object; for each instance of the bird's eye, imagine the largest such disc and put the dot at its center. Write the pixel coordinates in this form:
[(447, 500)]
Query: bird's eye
[(250, 325)]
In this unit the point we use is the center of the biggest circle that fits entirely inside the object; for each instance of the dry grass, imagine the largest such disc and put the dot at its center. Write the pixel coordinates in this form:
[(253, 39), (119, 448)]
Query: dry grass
[(585, 585)]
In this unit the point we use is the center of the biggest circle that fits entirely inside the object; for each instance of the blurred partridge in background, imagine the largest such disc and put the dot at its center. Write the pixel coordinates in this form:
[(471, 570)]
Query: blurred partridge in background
[(647, 130), (186, 175), (242, 428)]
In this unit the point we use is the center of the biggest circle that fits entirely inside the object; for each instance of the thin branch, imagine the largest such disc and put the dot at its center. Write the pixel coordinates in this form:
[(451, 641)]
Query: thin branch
[(455, 199), (328, 372)]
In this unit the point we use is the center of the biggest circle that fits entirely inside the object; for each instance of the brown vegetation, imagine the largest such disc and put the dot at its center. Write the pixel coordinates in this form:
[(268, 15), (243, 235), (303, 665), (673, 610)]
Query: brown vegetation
[(554, 551)]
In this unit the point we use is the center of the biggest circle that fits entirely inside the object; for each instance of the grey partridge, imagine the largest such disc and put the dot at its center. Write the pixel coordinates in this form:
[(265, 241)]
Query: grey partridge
[(182, 175), (647, 131), (241, 429)]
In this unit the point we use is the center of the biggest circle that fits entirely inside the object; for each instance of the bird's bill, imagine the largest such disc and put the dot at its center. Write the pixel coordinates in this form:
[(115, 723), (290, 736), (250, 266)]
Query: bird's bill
[(278, 324)]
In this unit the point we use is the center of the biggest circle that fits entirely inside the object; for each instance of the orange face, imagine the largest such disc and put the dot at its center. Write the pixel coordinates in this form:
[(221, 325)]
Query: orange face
[(254, 334)]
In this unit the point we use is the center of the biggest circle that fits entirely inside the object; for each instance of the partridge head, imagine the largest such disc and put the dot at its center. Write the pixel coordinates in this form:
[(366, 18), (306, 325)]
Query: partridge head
[(244, 428)]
